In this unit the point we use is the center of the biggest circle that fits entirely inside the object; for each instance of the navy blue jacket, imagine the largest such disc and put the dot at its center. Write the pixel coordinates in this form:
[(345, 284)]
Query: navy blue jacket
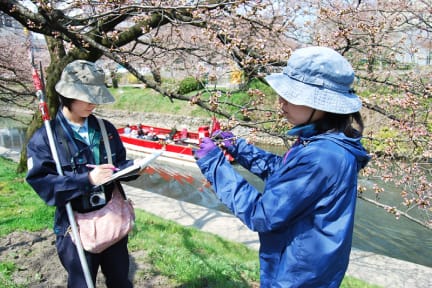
[(305, 215), (42, 174)]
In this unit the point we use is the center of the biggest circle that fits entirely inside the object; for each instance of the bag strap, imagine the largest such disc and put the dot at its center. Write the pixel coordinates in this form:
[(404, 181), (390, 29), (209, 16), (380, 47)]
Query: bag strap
[(105, 138), (108, 151)]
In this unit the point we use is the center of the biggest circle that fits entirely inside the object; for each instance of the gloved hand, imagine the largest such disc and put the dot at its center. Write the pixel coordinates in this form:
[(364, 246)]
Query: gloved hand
[(226, 138), (206, 146)]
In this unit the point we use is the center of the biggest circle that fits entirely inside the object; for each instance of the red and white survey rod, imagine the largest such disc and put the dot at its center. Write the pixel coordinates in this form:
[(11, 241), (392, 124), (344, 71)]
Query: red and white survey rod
[(43, 107)]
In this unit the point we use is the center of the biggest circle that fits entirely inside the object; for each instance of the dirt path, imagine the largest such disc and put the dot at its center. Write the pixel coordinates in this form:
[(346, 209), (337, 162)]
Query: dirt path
[(38, 266)]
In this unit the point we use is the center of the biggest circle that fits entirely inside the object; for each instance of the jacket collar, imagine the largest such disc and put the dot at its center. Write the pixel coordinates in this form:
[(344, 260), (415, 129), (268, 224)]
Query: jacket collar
[(304, 130)]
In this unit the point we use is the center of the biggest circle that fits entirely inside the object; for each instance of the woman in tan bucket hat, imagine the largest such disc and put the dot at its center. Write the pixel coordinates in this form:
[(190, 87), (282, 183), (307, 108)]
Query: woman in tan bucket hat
[(80, 145)]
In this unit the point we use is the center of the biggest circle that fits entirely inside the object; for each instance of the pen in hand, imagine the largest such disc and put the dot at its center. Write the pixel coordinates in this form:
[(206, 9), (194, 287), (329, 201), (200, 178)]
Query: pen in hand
[(94, 166)]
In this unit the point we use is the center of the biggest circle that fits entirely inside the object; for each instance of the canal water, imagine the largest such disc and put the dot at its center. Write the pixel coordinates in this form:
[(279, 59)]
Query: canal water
[(375, 230)]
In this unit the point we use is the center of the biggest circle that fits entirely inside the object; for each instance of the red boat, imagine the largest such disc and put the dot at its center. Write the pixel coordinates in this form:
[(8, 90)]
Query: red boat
[(177, 145)]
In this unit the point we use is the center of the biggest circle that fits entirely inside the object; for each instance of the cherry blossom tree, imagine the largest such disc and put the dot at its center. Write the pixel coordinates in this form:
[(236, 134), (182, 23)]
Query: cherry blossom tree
[(388, 45), (15, 88)]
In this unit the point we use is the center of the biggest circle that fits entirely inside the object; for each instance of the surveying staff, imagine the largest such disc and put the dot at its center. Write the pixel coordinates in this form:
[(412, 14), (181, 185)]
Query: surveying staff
[(79, 142), (305, 215)]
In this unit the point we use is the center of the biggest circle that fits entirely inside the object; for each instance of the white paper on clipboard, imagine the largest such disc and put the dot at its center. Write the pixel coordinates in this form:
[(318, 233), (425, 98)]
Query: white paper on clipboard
[(134, 169)]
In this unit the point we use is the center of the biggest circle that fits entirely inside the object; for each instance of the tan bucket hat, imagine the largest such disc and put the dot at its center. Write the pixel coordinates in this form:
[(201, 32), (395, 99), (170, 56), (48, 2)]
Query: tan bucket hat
[(83, 80)]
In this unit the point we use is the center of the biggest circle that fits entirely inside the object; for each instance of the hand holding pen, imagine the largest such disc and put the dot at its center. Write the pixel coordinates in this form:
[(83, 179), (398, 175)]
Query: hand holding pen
[(115, 169), (100, 173)]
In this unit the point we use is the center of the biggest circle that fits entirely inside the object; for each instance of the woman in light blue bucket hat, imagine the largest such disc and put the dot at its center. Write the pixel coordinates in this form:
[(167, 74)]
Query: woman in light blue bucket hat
[(305, 214)]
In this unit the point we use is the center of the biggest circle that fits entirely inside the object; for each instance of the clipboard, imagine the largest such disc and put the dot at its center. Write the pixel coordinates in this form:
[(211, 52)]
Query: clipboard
[(134, 169)]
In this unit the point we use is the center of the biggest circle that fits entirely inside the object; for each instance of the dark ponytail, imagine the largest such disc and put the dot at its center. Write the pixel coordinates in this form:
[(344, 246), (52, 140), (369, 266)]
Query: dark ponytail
[(342, 123)]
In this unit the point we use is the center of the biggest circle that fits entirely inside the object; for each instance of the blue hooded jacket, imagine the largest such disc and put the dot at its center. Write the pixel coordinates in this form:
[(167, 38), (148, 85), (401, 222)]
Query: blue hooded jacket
[(305, 215)]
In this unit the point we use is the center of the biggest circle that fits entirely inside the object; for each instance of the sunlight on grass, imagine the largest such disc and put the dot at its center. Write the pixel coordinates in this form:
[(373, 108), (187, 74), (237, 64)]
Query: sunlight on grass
[(147, 100), (139, 99), (20, 207), (193, 257)]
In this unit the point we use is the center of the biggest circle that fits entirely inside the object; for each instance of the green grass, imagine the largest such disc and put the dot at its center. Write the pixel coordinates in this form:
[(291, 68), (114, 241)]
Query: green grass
[(191, 257), (6, 271), (20, 207), (140, 99), (187, 256), (147, 100)]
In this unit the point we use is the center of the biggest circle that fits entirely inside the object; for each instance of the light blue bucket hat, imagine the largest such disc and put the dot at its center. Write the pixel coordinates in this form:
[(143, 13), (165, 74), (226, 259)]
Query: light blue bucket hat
[(83, 80), (317, 77)]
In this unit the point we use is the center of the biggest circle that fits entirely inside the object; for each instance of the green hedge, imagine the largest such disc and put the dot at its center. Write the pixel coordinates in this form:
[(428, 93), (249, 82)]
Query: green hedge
[(189, 84)]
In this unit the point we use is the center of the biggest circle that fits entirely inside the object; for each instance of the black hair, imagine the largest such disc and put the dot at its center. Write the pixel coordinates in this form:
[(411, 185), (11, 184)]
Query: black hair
[(66, 102), (342, 123)]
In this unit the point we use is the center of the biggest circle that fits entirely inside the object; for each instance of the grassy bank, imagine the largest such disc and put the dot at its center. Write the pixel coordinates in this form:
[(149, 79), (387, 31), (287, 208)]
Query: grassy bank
[(186, 256), (136, 98)]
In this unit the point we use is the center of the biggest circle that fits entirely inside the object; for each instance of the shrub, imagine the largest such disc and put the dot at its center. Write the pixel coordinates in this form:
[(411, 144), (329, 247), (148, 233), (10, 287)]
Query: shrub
[(189, 84)]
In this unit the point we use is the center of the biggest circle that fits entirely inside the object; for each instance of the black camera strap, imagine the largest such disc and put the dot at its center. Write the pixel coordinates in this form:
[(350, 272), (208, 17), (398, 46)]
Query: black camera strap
[(61, 132)]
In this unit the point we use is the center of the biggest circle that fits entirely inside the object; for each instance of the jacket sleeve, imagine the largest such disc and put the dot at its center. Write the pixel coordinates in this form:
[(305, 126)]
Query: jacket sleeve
[(290, 192), (42, 175), (256, 160)]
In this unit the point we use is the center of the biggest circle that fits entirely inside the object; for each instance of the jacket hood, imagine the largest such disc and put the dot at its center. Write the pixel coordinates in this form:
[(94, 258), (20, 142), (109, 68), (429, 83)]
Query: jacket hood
[(353, 145)]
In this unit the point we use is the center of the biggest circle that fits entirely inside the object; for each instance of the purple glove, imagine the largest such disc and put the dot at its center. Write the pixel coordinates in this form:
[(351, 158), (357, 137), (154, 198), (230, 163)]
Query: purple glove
[(206, 146), (227, 137)]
